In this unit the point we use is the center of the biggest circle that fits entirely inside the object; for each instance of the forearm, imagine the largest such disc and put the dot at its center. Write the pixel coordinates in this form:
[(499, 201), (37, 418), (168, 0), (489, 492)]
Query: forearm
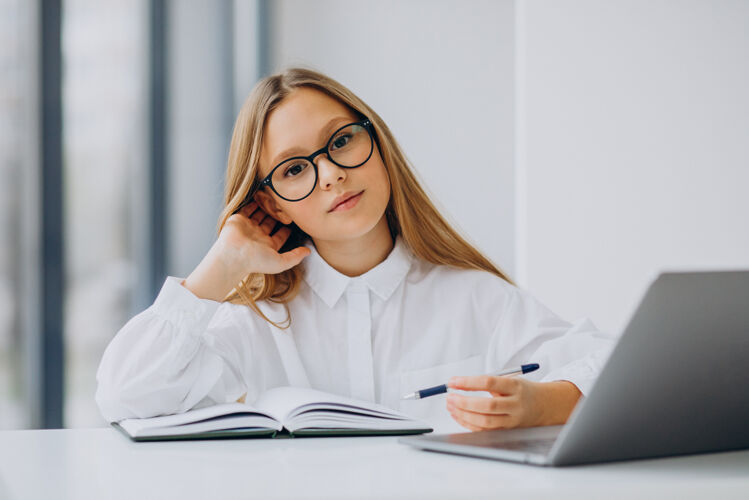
[(212, 279)]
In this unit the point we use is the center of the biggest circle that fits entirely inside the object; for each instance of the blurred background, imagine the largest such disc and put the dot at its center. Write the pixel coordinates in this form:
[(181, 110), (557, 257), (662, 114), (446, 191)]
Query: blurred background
[(584, 145)]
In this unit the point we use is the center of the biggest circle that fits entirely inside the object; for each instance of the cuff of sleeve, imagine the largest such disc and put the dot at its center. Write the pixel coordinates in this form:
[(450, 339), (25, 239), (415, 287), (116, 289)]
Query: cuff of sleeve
[(583, 384), (583, 373), (178, 305)]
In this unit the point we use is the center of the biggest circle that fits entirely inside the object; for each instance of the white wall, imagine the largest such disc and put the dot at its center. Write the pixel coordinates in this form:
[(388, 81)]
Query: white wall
[(440, 74), (633, 147)]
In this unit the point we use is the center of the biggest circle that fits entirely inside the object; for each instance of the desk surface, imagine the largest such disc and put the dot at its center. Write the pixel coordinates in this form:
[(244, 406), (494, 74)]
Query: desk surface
[(101, 464)]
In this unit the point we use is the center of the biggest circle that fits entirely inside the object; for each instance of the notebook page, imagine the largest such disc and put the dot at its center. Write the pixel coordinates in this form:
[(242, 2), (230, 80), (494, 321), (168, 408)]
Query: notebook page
[(221, 423), (134, 425), (283, 403), (332, 421)]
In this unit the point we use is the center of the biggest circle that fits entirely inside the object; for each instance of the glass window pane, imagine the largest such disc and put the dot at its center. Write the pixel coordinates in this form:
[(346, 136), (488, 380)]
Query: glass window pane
[(104, 122), (17, 101)]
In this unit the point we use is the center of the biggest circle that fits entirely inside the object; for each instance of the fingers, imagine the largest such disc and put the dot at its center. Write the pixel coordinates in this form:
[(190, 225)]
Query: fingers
[(265, 221), (294, 257), (268, 224), (480, 421), (280, 237), (467, 425), (253, 211), (256, 214), (490, 383), (514, 404), (492, 406), (248, 209), (287, 260)]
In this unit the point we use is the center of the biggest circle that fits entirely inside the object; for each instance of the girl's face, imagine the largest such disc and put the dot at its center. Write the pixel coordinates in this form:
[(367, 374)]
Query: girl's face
[(300, 125)]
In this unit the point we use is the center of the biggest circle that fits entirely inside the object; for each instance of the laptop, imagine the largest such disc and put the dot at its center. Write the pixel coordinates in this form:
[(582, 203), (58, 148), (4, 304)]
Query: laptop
[(676, 383)]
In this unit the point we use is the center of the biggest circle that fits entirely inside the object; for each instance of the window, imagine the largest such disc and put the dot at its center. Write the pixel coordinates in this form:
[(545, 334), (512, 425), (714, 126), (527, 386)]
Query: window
[(17, 165), (105, 99)]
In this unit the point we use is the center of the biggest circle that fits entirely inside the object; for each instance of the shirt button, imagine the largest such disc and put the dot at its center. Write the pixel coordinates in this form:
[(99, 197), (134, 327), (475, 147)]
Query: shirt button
[(357, 285)]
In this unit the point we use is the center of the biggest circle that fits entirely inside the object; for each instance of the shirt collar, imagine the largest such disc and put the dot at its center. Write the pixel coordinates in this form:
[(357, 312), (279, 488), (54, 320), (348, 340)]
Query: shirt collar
[(383, 279)]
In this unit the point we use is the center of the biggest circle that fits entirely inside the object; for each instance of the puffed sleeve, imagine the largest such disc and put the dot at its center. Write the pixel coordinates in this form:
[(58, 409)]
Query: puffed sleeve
[(528, 332), (182, 352)]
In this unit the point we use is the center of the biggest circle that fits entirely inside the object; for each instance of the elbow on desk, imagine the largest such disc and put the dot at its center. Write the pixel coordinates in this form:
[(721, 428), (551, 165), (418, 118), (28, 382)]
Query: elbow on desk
[(123, 393), (120, 400), (112, 405)]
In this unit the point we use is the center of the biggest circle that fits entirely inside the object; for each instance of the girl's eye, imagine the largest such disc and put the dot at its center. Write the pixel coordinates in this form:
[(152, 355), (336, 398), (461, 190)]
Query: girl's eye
[(341, 141), (294, 170)]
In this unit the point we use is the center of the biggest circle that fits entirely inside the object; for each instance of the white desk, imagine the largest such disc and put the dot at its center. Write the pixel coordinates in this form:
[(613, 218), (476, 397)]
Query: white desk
[(101, 464)]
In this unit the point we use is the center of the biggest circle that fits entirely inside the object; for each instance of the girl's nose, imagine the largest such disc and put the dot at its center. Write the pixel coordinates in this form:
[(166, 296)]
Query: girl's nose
[(329, 173)]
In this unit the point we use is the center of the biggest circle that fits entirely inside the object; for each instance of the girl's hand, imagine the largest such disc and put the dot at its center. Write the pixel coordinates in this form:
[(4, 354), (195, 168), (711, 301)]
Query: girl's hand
[(248, 245), (515, 402), (244, 246)]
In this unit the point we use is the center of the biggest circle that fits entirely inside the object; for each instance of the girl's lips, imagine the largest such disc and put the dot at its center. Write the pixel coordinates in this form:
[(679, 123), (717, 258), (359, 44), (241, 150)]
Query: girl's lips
[(349, 203)]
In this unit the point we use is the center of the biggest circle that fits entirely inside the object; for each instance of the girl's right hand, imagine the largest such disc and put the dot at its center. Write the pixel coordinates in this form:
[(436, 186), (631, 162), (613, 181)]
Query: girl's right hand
[(243, 246)]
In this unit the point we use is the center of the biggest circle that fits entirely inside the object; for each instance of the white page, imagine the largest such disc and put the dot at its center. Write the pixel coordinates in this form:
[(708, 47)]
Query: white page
[(342, 412), (189, 417), (225, 422), (283, 403), (352, 422)]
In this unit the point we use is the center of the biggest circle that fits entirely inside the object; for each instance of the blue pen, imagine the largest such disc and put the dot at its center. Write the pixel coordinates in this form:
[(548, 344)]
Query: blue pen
[(440, 389)]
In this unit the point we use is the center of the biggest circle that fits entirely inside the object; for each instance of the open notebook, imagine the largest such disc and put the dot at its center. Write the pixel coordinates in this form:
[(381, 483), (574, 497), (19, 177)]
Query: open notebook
[(278, 412)]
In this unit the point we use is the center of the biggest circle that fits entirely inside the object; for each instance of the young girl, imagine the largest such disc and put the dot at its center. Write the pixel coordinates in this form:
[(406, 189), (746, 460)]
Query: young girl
[(333, 270)]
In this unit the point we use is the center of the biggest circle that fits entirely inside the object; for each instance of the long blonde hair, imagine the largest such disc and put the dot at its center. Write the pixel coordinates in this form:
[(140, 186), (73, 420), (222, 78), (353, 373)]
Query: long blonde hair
[(409, 213)]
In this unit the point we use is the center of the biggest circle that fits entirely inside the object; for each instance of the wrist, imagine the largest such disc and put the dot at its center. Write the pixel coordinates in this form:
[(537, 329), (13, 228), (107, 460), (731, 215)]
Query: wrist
[(210, 280), (558, 399)]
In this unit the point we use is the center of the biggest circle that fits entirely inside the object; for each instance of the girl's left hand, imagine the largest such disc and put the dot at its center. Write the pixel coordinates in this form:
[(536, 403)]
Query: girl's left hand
[(515, 402)]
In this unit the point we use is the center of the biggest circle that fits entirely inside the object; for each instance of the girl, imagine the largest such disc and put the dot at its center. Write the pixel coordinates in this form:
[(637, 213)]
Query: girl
[(333, 270)]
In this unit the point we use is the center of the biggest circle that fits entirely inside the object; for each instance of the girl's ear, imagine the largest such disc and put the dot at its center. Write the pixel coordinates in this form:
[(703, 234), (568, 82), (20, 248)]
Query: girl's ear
[(270, 207)]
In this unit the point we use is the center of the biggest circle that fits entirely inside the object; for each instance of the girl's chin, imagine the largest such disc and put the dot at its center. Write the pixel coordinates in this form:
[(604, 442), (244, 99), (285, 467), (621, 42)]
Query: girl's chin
[(346, 229)]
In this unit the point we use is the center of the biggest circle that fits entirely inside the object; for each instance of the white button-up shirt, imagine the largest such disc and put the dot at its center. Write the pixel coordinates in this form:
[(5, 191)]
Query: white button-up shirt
[(402, 326)]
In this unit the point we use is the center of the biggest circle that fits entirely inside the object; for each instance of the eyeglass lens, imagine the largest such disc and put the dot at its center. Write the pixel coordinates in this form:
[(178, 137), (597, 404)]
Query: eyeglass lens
[(349, 147)]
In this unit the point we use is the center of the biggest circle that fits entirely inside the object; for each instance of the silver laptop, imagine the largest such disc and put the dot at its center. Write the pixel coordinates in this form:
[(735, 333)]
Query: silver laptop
[(676, 383)]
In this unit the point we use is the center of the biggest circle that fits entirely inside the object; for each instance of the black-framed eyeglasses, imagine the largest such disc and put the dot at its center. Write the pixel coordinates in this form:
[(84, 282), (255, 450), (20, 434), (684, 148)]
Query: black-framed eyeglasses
[(295, 178)]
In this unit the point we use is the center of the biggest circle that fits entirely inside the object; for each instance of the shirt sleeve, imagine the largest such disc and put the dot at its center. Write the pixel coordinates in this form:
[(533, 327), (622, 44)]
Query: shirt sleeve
[(178, 354), (528, 332)]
